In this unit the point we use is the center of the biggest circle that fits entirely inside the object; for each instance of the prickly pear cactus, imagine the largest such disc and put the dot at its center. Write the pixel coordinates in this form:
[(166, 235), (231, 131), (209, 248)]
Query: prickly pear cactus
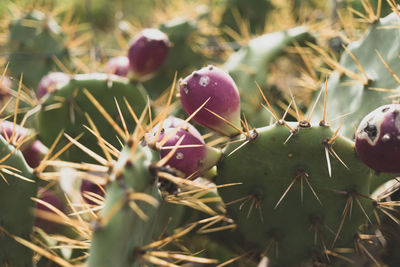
[(255, 12), (378, 139), (34, 41), (17, 186), (217, 90), (68, 108), (126, 222), (147, 52), (305, 191), (296, 193), (250, 64), (354, 91), (182, 57)]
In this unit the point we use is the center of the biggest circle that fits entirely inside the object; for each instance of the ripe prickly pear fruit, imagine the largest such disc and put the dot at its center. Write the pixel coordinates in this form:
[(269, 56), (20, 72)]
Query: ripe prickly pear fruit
[(378, 139), (216, 85), (118, 66), (34, 153), (33, 150), (41, 210), (174, 122), (51, 82), (192, 157), (7, 128), (186, 159), (147, 52)]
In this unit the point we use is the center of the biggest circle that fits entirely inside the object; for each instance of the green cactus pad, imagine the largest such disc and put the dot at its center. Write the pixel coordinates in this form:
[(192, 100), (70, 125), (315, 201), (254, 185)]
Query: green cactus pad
[(251, 63), (16, 207), (65, 110), (267, 166), (254, 12), (34, 41), (114, 243), (346, 95)]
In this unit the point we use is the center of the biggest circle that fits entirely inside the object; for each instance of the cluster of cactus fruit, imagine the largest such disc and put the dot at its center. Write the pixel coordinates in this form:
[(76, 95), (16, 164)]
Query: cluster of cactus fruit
[(106, 176)]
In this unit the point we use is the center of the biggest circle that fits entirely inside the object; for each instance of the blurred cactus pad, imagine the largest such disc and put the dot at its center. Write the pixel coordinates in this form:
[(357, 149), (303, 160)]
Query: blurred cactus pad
[(244, 133)]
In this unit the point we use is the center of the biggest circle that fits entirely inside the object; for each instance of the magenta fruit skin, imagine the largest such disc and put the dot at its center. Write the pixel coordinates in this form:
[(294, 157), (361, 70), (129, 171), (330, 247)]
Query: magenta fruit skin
[(51, 82), (378, 139), (186, 159), (216, 85), (88, 186), (33, 151), (8, 127), (51, 198), (174, 122), (118, 66), (147, 52)]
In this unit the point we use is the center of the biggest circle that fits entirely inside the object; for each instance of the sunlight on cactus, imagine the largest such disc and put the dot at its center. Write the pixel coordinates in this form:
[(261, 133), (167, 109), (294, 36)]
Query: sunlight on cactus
[(199, 133)]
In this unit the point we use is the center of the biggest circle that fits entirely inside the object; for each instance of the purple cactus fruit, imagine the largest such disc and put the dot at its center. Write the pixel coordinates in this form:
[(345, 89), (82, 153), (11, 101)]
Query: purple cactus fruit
[(34, 151), (216, 85), (192, 157), (52, 199), (89, 187), (378, 139), (147, 52), (51, 82), (118, 66), (174, 122), (7, 128)]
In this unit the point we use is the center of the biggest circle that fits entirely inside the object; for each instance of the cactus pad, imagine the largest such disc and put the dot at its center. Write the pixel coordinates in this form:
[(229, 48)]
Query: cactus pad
[(302, 211)]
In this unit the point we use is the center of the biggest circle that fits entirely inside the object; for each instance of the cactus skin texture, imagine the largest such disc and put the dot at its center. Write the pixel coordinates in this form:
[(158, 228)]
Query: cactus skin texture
[(180, 31), (115, 243), (291, 224), (32, 48), (253, 12), (74, 104), (251, 64), (16, 208), (345, 94)]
